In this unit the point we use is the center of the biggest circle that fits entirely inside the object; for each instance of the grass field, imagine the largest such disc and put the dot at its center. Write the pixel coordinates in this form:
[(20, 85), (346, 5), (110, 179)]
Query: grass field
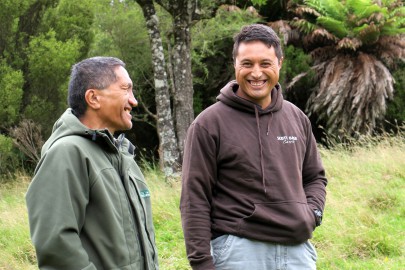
[(364, 219)]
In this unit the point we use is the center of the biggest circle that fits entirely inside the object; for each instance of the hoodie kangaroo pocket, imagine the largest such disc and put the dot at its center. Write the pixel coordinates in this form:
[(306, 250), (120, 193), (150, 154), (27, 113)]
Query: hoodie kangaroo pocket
[(282, 222)]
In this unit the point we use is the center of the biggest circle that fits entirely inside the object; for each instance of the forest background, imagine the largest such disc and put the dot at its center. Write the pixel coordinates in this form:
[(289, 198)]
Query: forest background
[(343, 65)]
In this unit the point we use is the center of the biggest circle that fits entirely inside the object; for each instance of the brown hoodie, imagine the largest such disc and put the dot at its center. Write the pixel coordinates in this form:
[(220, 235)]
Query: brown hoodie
[(251, 172)]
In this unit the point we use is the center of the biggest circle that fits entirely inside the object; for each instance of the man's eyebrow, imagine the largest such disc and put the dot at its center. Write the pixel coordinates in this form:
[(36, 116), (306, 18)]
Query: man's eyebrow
[(126, 85)]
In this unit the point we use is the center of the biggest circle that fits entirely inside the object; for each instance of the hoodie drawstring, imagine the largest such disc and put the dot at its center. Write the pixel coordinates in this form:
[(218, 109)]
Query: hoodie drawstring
[(261, 150), (268, 124)]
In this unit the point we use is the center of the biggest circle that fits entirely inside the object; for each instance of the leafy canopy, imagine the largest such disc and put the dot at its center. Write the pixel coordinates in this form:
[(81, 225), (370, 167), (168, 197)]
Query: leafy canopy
[(11, 83)]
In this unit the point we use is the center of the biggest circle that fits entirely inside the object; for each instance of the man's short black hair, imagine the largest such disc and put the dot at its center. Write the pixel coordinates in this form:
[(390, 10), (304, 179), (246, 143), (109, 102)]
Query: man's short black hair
[(258, 32)]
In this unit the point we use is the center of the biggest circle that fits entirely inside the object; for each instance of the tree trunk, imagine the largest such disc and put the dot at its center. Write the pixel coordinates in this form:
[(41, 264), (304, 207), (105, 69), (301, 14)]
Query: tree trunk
[(182, 12), (168, 147), (183, 78)]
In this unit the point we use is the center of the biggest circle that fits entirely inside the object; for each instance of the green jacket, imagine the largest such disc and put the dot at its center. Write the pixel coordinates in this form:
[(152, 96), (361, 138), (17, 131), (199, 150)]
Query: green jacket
[(88, 204)]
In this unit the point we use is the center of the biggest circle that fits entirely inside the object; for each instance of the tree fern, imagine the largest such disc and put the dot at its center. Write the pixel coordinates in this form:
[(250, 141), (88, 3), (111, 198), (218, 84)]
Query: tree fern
[(334, 26), (369, 34), (304, 25), (362, 8), (330, 8), (352, 44), (369, 10)]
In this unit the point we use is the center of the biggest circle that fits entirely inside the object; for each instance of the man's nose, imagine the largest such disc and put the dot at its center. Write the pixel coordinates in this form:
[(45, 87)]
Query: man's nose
[(132, 100), (257, 72)]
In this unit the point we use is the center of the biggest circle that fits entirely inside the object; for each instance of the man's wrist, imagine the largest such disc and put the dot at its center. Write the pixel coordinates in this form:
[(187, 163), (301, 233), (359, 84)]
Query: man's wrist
[(318, 217)]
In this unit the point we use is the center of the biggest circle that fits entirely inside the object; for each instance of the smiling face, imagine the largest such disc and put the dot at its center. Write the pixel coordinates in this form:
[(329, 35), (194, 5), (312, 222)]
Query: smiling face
[(116, 102), (257, 71)]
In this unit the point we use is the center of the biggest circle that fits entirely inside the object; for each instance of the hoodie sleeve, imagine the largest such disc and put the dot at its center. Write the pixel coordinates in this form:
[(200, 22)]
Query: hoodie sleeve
[(56, 202), (313, 173), (198, 179)]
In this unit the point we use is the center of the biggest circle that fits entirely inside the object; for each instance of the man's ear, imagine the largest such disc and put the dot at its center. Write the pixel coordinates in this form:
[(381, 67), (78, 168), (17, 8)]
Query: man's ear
[(280, 62), (92, 98)]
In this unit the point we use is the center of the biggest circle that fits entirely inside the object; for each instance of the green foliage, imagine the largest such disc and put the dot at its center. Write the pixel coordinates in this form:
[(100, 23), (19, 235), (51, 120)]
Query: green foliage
[(361, 19), (49, 63), (296, 62), (50, 60), (352, 43), (333, 25), (38, 111), (39, 42), (10, 11), (11, 83), (334, 9), (259, 2), (396, 107), (9, 158), (304, 26), (71, 18), (120, 31)]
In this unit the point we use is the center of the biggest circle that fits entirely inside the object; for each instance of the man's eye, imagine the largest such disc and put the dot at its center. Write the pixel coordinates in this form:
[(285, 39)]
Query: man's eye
[(128, 90)]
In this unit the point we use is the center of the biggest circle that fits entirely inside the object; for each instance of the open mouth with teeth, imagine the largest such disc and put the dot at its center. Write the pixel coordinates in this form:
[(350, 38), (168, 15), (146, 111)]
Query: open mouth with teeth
[(128, 110), (257, 83)]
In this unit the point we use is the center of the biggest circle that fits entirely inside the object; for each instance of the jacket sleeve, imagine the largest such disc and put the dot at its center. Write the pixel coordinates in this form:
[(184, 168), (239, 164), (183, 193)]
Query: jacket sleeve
[(56, 201), (313, 173), (198, 179)]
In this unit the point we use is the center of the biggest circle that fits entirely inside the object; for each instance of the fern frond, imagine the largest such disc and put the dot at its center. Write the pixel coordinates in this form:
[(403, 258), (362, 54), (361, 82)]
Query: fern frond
[(391, 48), (329, 8), (351, 93), (315, 4), (357, 30), (335, 9), (349, 43), (364, 8), (369, 34), (336, 27), (304, 25), (368, 11), (357, 6), (283, 28), (397, 12), (301, 10), (392, 31), (324, 34)]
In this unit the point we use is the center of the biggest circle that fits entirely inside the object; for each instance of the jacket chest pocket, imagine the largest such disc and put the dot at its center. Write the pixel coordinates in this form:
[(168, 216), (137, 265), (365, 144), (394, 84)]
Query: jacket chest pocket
[(138, 189)]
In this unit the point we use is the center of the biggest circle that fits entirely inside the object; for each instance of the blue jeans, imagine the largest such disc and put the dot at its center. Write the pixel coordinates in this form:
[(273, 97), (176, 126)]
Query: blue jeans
[(231, 252)]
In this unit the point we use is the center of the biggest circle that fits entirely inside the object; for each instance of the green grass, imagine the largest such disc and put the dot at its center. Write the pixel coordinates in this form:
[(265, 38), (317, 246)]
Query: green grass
[(364, 216), (363, 226), (16, 251)]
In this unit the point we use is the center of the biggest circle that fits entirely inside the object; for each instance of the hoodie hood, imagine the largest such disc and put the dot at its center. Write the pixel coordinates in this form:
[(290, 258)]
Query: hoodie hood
[(228, 96), (68, 124)]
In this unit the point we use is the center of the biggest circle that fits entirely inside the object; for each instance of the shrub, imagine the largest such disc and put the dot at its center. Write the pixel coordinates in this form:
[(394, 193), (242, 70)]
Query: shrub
[(9, 157), (11, 83), (28, 139), (396, 108)]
